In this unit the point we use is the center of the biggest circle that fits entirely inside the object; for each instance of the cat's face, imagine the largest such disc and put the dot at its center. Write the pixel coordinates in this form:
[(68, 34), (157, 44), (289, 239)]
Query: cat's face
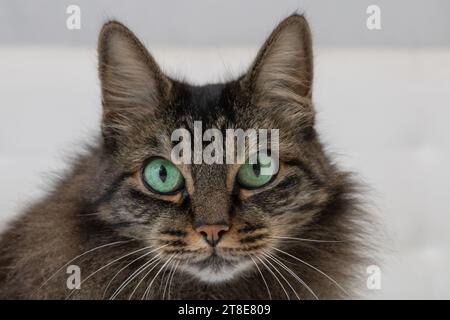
[(210, 224)]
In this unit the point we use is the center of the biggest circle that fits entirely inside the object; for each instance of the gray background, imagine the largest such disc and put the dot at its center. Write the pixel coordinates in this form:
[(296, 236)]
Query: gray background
[(412, 23)]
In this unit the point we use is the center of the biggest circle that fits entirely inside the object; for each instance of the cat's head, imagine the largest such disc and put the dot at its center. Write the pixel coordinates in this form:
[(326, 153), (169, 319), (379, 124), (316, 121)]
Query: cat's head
[(216, 220)]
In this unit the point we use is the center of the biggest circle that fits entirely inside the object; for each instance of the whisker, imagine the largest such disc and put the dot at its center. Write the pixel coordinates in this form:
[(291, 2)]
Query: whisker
[(145, 295), (262, 276), (275, 276), (87, 214), (305, 240), (125, 267), (282, 276), (171, 279), (168, 278), (292, 273), (77, 257), (134, 275), (314, 268), (162, 278), (145, 276), (107, 265)]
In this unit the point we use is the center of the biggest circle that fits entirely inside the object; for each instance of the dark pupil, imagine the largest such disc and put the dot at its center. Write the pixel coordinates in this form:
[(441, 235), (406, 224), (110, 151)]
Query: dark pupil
[(256, 169), (162, 173)]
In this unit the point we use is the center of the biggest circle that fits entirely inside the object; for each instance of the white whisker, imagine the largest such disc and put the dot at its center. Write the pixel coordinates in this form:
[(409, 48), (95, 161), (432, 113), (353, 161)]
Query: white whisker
[(145, 295), (125, 267), (282, 276), (171, 279), (314, 268), (163, 275), (262, 276), (77, 257), (143, 277), (306, 240), (134, 275), (107, 265), (275, 276), (292, 273), (168, 277)]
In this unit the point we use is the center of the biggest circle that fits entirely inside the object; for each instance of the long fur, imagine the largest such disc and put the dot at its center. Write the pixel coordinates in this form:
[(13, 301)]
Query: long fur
[(305, 235)]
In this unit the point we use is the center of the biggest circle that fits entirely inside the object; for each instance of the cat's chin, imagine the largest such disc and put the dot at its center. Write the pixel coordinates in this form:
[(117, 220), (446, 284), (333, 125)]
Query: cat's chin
[(217, 272)]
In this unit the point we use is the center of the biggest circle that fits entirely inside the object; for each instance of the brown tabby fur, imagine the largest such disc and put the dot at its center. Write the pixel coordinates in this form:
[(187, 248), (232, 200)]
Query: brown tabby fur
[(103, 201)]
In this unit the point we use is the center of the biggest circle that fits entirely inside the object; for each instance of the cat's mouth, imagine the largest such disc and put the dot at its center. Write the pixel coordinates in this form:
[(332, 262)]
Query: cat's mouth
[(215, 268), (214, 262)]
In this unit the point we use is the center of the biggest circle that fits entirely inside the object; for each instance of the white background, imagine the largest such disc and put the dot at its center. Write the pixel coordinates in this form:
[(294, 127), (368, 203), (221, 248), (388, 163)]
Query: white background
[(384, 112)]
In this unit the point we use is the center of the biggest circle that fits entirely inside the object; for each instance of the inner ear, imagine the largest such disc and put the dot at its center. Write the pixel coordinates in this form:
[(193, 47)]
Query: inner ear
[(129, 75), (283, 68), (133, 86)]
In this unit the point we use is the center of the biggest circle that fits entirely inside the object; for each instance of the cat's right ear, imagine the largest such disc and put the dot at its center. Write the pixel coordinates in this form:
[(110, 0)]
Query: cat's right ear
[(132, 83)]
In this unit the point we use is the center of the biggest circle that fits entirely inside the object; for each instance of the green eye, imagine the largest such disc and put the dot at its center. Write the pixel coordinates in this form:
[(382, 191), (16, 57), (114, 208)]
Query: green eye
[(249, 175), (163, 176)]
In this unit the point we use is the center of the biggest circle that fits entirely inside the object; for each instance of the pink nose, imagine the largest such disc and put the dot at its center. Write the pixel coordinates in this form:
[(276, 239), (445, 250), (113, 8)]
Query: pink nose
[(212, 233)]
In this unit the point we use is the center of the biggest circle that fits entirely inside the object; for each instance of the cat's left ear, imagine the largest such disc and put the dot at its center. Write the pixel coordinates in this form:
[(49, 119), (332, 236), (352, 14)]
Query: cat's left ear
[(132, 83), (283, 68)]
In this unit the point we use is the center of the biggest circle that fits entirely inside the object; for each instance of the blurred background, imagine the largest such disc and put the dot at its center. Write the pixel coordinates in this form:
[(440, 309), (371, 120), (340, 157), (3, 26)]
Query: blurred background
[(382, 98)]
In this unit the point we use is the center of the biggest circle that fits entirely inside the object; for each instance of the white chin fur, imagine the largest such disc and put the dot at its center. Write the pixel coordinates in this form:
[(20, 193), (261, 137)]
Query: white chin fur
[(213, 275)]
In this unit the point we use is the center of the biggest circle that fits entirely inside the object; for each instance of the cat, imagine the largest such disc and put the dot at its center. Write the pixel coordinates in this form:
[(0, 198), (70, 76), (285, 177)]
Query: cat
[(193, 231)]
